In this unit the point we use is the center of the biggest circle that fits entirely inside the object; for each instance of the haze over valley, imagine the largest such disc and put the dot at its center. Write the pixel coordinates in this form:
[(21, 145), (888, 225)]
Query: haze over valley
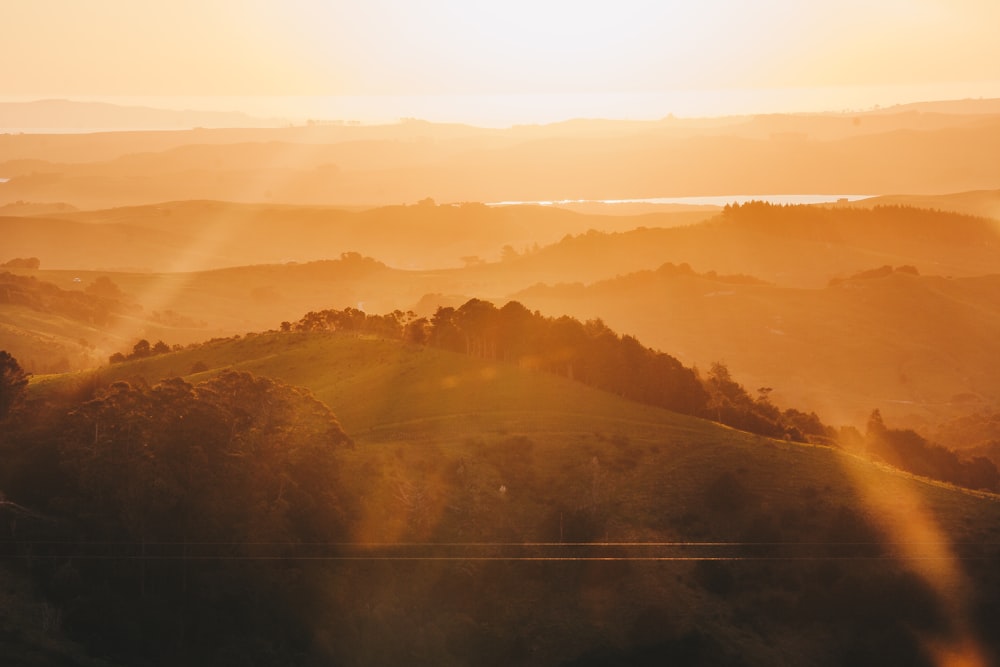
[(659, 334)]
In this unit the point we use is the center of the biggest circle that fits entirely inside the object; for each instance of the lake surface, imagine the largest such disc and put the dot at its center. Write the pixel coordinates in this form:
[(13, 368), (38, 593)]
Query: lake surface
[(713, 200)]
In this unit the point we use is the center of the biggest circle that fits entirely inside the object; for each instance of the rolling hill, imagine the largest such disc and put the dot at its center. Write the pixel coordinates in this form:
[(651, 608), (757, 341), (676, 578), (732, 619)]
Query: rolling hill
[(63, 115), (840, 349), (203, 235), (793, 246), (906, 152), (920, 348), (501, 515)]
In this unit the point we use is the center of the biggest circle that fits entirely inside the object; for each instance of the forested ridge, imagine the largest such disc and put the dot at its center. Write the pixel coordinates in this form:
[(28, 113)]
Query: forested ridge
[(588, 352), (593, 354)]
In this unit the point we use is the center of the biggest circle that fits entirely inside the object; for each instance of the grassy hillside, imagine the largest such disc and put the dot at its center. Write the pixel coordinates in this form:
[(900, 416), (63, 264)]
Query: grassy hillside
[(374, 384), (500, 516)]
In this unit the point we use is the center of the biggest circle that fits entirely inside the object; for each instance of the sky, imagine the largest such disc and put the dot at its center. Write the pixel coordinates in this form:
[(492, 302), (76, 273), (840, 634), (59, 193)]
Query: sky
[(463, 59)]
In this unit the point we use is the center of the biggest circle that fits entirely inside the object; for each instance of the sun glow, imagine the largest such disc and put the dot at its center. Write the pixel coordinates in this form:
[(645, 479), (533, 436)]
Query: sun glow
[(920, 543), (552, 60)]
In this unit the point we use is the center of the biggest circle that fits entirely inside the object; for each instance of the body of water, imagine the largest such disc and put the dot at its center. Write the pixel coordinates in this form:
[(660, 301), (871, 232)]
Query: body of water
[(713, 200)]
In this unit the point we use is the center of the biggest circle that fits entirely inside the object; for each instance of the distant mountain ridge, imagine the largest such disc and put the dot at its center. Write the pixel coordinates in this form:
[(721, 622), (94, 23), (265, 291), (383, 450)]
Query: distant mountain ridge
[(69, 115), (909, 151)]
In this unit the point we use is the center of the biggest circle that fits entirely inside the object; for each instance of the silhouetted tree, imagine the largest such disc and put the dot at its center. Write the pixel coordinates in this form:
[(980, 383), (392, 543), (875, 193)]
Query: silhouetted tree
[(232, 465), (417, 331), (13, 382), (22, 263), (106, 288), (141, 350), (444, 330), (516, 332), (476, 320), (908, 450)]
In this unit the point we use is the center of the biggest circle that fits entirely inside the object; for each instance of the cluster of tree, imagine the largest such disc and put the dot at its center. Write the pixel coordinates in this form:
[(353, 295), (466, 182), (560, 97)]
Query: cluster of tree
[(729, 403), (977, 433), (94, 305), (106, 288), (175, 516), (908, 450), (391, 325), (588, 352), (22, 263), (13, 382), (881, 272), (882, 221), (140, 350)]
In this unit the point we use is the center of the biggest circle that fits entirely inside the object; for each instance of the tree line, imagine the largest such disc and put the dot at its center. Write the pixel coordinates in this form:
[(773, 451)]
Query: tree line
[(589, 352), (908, 450)]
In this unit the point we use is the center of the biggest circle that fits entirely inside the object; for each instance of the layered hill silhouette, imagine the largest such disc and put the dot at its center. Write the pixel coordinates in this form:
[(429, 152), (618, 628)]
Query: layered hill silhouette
[(67, 115), (910, 152), (790, 245), (225, 457), (841, 346), (197, 235)]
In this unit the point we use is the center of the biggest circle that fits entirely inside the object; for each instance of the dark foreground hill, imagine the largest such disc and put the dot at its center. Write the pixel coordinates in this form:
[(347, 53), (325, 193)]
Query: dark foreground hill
[(492, 515)]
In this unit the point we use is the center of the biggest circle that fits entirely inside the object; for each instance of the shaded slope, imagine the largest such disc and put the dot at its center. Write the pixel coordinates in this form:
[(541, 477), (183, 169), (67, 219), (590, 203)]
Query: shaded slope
[(479, 459)]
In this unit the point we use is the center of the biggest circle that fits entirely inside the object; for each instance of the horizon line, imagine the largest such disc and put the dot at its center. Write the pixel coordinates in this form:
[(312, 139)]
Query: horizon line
[(507, 110)]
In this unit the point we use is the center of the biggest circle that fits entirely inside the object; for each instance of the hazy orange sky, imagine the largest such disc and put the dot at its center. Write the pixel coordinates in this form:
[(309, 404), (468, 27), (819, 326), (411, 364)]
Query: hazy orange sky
[(638, 58)]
